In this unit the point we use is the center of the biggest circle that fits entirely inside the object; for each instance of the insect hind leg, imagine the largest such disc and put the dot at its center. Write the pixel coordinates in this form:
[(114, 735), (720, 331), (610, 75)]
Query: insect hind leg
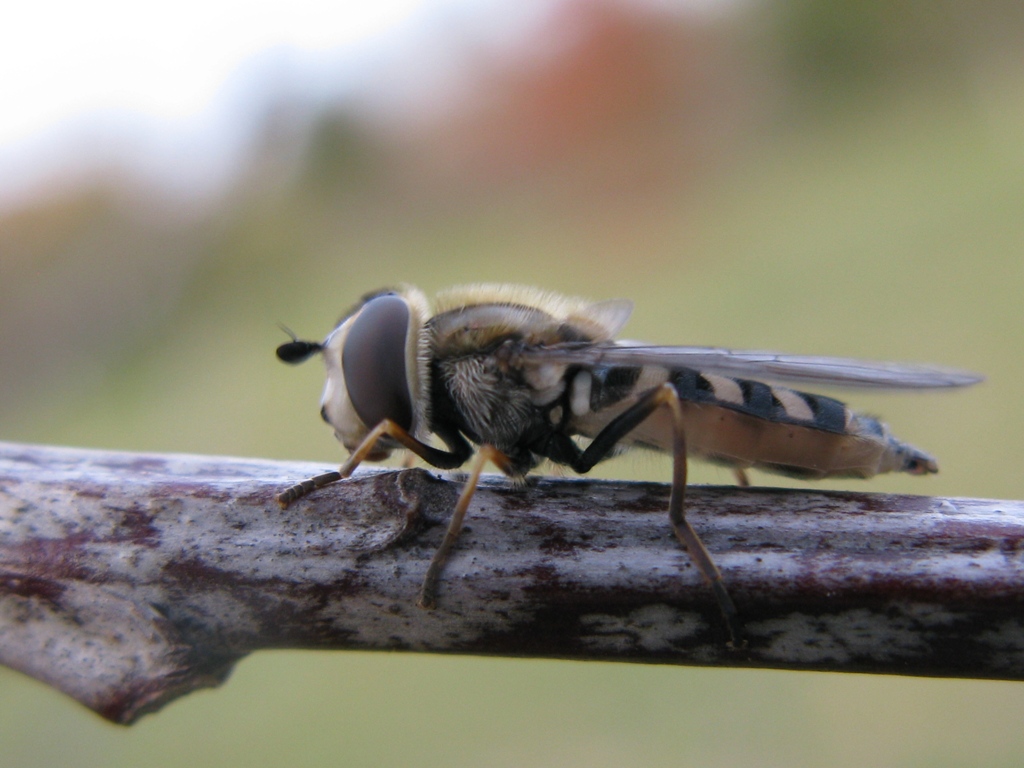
[(602, 445)]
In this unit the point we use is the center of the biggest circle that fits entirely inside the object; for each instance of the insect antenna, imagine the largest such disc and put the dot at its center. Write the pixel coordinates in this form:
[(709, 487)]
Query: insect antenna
[(296, 351)]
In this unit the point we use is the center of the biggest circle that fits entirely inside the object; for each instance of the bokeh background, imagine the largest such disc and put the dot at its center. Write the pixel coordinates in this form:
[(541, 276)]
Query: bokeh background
[(801, 175)]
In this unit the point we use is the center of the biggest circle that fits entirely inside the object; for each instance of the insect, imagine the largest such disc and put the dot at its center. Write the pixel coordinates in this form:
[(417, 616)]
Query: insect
[(528, 376)]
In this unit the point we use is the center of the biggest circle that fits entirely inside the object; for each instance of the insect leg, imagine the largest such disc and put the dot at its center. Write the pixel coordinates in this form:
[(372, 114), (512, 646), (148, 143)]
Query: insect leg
[(667, 395), (433, 456), (306, 487), (428, 591), (622, 425), (741, 477)]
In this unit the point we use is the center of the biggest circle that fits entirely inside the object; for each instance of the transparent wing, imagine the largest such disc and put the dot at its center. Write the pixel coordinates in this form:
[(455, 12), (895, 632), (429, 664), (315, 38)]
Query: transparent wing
[(802, 369)]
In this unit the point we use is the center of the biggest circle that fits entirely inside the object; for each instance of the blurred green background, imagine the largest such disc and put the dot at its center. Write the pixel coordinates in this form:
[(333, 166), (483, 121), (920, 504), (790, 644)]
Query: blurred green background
[(800, 175)]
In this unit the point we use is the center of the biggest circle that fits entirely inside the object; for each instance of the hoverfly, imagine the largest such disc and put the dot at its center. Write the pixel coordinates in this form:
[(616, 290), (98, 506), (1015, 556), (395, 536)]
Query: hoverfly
[(528, 376)]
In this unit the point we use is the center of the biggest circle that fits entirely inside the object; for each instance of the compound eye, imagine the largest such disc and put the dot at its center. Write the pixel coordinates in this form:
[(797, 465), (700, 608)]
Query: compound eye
[(373, 362)]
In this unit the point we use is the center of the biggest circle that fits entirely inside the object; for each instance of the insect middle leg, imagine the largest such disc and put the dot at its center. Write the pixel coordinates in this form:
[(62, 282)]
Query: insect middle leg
[(601, 446), (428, 592)]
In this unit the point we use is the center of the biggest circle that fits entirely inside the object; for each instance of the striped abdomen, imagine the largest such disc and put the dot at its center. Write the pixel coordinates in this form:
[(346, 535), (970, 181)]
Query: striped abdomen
[(745, 423)]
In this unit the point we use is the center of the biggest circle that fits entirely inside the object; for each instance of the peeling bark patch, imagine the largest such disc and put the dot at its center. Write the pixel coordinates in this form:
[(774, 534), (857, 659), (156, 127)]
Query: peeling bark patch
[(31, 586), (1005, 641), (136, 527), (857, 635), (650, 629), (145, 464), (183, 490), (91, 491), (1011, 546), (652, 498), (49, 558), (543, 577), (195, 573), (554, 540)]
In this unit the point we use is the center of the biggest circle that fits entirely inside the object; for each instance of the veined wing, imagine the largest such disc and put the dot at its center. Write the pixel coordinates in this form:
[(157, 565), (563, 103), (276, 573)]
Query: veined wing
[(802, 369)]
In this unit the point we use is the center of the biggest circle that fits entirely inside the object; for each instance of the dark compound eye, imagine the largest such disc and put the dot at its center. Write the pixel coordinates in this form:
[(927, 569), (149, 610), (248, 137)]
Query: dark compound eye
[(295, 351), (373, 362)]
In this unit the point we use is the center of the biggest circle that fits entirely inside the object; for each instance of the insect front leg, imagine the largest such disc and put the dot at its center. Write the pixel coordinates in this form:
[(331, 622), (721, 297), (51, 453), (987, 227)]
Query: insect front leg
[(306, 487), (605, 441), (428, 592), (433, 456)]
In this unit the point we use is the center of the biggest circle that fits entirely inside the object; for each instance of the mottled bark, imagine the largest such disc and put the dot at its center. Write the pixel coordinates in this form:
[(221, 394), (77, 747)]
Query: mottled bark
[(127, 580)]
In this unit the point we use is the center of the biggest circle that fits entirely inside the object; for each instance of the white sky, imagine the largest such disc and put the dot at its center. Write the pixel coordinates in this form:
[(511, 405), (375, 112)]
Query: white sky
[(169, 87), (78, 74), (63, 56)]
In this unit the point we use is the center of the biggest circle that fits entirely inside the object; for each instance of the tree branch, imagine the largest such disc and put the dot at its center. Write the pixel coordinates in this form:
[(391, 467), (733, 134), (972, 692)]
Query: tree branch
[(127, 580)]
